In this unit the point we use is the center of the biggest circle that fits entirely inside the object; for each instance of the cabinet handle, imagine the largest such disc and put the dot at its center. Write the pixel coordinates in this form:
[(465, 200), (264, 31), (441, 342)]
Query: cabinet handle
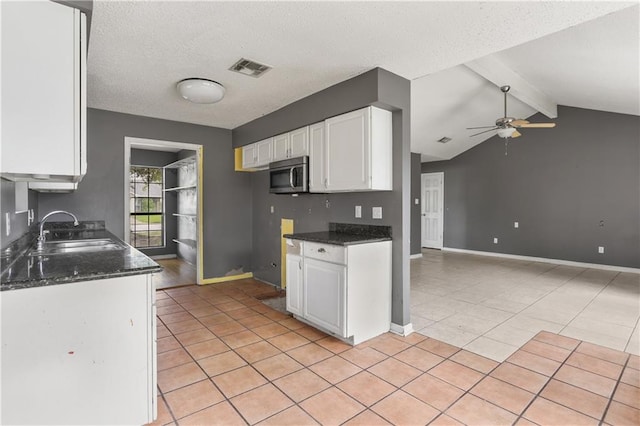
[(325, 182), (299, 264), (321, 250)]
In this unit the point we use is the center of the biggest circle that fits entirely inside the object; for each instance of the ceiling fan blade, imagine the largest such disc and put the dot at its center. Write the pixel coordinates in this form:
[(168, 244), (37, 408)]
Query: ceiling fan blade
[(516, 134), (537, 125), (481, 127), (490, 130), (518, 123)]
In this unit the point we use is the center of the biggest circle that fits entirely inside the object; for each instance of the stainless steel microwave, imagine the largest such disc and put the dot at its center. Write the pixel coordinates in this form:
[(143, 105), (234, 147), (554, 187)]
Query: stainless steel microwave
[(290, 176)]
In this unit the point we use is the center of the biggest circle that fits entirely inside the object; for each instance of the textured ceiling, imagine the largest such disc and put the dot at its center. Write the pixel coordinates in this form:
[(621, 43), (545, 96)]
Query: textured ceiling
[(139, 50), (593, 65)]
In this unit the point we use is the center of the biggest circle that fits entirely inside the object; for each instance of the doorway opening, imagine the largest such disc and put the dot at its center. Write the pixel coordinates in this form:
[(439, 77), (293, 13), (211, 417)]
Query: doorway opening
[(163, 206), (432, 215)]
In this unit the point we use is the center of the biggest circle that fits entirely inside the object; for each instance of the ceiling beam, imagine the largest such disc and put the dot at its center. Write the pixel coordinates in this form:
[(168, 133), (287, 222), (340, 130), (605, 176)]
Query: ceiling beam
[(498, 73)]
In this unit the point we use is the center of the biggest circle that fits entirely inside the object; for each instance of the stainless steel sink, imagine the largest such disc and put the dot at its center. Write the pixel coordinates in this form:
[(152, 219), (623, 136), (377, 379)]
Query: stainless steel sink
[(77, 246)]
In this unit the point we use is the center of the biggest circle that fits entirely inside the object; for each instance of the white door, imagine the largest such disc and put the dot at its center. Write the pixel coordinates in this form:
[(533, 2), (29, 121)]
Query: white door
[(324, 294), (432, 209), (294, 284)]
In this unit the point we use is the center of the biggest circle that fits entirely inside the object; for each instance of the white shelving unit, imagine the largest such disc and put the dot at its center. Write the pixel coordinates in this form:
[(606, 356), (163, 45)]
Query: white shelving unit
[(187, 207), (180, 188)]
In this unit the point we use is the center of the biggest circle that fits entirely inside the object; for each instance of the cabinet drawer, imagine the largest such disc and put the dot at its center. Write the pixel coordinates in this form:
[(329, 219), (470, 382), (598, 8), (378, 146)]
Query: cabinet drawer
[(326, 252)]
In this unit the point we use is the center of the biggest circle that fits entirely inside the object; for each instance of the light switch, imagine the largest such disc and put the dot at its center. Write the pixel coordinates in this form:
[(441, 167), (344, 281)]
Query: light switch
[(495, 240), (272, 209), (358, 211), (417, 201), (376, 212), (516, 225), (601, 250)]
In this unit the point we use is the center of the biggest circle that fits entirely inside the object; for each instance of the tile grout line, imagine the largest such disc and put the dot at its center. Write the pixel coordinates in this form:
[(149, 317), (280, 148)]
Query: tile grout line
[(613, 392), (210, 379), (257, 371), (590, 302), (538, 394)]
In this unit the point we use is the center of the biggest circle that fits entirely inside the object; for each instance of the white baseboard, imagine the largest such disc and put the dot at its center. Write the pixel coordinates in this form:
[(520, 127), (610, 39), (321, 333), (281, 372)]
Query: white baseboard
[(163, 256), (545, 260), (415, 256), (402, 330)]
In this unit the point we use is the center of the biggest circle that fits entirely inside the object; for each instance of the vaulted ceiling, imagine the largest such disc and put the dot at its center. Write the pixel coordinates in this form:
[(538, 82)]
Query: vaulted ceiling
[(581, 54)]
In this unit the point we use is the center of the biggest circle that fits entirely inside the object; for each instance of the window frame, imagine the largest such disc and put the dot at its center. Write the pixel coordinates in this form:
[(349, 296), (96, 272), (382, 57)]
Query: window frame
[(133, 213)]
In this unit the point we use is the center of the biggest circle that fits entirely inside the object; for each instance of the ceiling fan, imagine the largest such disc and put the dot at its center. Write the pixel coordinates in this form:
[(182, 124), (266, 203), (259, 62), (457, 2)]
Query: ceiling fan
[(507, 127)]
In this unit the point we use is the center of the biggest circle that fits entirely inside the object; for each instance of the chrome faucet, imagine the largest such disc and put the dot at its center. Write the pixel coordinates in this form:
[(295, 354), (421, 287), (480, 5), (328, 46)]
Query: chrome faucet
[(41, 236)]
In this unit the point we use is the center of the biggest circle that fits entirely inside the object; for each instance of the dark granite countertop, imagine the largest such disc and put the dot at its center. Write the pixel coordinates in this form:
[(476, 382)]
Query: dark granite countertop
[(19, 270), (345, 234)]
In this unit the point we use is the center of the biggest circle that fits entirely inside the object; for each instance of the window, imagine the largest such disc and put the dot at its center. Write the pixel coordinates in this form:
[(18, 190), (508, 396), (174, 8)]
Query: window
[(146, 205)]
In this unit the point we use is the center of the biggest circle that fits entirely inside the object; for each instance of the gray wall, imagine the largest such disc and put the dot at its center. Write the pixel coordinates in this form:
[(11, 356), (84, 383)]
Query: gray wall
[(416, 225), (226, 194), (143, 157), (17, 221), (572, 188), (310, 211)]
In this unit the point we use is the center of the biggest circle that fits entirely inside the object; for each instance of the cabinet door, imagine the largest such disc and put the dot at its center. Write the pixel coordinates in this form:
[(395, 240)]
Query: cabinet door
[(42, 91), (294, 284), (249, 156), (281, 147), (324, 295), (263, 153), (348, 145), (317, 161), (299, 142)]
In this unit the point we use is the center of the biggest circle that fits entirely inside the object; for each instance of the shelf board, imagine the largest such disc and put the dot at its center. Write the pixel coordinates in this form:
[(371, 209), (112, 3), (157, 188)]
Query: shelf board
[(181, 163), (180, 188), (187, 242), (190, 216)]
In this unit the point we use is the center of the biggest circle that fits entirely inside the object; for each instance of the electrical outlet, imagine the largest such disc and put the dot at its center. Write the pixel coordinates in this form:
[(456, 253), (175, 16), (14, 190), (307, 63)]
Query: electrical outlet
[(358, 211), (272, 209), (417, 201), (601, 249), (516, 225), (495, 240), (376, 212)]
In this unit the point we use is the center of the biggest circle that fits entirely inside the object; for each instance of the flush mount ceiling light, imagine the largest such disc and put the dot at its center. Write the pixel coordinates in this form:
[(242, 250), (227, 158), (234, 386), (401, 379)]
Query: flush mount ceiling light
[(200, 90)]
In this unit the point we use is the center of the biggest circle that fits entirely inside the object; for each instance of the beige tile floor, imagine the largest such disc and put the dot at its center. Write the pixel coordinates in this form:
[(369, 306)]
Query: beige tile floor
[(492, 306), (225, 358)]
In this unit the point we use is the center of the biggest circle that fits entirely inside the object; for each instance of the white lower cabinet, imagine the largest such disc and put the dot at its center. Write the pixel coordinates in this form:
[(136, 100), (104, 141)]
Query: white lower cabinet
[(294, 284), (342, 290), (80, 353), (324, 295)]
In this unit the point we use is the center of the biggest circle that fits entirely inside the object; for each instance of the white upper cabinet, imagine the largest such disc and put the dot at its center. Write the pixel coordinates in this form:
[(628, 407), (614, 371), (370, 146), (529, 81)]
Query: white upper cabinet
[(249, 156), (317, 160), (292, 144), (257, 155), (264, 152), (43, 92), (299, 142), (281, 147), (357, 152)]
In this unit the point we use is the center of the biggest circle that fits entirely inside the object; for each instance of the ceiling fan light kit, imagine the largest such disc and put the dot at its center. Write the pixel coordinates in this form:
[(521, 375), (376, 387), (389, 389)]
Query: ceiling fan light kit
[(200, 90), (506, 132), (507, 127)]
